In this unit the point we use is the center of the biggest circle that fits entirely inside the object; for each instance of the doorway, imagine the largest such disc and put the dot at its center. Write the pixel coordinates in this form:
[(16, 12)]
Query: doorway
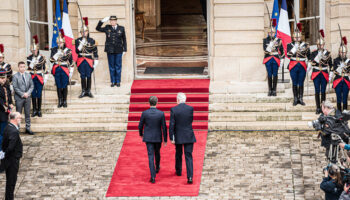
[(171, 39)]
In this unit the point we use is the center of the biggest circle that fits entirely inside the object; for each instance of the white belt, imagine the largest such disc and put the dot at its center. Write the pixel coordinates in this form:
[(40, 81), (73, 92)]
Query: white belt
[(85, 54), (37, 72), (274, 53), (318, 68), (61, 63), (298, 59)]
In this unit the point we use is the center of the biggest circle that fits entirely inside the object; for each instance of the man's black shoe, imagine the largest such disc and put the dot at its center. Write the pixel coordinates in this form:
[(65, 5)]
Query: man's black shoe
[(112, 85), (29, 132), (157, 170), (178, 173), (118, 84), (189, 180), (152, 180)]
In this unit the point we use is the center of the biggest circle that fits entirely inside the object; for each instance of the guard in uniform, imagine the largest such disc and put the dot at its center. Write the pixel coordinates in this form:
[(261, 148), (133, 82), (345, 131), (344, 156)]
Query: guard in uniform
[(298, 52), (5, 66), (37, 68), (274, 58), (87, 59), (115, 47), (341, 82), (320, 63), (62, 69)]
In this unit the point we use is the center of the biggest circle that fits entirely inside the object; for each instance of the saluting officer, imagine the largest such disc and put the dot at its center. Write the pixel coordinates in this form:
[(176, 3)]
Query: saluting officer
[(87, 58), (5, 66), (341, 82), (115, 47), (320, 63), (62, 69), (298, 52), (37, 66), (274, 58)]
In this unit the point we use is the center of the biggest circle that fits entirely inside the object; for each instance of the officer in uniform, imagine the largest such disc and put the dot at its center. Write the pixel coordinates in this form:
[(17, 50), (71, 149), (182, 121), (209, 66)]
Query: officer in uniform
[(37, 66), (320, 63), (274, 58), (87, 59), (298, 52), (62, 69), (341, 82), (5, 66), (115, 47)]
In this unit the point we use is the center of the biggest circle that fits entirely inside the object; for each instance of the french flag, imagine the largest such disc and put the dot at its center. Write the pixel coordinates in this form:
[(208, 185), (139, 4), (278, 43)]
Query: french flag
[(68, 31), (283, 30)]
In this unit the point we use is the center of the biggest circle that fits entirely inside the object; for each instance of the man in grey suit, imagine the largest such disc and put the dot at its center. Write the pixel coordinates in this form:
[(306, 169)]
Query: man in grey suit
[(23, 86)]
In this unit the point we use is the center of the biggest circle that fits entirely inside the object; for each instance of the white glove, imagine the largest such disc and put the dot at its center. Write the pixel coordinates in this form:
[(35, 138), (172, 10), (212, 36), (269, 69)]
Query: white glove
[(95, 64), (71, 70), (105, 19), (57, 55), (296, 45), (294, 49), (309, 124), (123, 53), (46, 77), (2, 155), (309, 67), (281, 63), (268, 48), (331, 76), (83, 42)]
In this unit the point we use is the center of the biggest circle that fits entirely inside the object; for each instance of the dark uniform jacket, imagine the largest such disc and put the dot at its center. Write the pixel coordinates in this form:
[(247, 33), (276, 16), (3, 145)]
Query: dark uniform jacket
[(180, 128), (5, 101), (323, 64), (277, 50), (115, 39), (12, 143), (299, 56), (8, 69), (38, 68), (64, 61), (340, 73), (151, 126), (88, 51)]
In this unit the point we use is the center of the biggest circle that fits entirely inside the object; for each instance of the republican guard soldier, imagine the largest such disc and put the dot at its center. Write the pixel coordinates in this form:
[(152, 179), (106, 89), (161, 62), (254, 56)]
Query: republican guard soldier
[(5, 66)]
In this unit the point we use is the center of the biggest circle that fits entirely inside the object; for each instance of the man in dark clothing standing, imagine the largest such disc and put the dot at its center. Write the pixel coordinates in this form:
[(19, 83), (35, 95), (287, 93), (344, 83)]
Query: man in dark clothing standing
[(151, 128), (115, 47), (12, 152), (182, 135)]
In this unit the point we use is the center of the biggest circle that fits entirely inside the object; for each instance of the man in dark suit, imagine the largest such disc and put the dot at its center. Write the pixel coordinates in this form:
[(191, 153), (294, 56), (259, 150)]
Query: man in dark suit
[(182, 135), (152, 127), (115, 47), (12, 152), (23, 86)]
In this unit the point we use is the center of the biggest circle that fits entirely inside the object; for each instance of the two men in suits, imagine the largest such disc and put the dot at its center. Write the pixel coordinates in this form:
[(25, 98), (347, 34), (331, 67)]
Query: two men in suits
[(153, 130), (23, 87), (12, 152), (115, 47), (182, 135)]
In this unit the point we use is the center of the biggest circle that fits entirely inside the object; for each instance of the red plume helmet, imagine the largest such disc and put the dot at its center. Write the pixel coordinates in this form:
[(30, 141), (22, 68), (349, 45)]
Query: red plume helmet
[(345, 41), (300, 26), (35, 38), (62, 33), (1, 48), (86, 21), (274, 22), (322, 33)]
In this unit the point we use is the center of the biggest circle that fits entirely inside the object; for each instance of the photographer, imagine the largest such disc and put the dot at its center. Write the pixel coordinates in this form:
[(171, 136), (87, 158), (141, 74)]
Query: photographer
[(346, 193), (332, 182)]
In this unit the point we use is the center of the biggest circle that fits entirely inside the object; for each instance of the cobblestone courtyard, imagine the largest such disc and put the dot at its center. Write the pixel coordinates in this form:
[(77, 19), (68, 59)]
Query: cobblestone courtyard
[(237, 165)]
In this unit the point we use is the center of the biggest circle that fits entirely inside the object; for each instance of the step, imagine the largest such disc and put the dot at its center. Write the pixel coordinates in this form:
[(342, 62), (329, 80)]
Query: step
[(80, 118), (195, 126), (197, 116), (107, 99), (168, 98), (77, 127), (260, 107), (167, 107), (261, 116), (69, 109), (171, 86), (260, 125)]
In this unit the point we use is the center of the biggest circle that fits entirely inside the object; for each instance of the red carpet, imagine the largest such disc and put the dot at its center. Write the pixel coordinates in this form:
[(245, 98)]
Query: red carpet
[(131, 174)]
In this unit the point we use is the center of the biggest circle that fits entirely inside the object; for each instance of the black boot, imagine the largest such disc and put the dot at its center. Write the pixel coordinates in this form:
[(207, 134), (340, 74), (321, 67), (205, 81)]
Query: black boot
[(39, 107), (323, 97), (83, 88), (295, 94), (59, 96), (345, 106), (274, 86), (318, 106), (339, 106), (269, 84), (34, 107), (65, 92), (301, 94), (88, 88)]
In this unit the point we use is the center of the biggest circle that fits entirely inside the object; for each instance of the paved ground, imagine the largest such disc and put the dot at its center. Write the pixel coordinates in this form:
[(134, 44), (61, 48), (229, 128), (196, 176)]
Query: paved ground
[(246, 165)]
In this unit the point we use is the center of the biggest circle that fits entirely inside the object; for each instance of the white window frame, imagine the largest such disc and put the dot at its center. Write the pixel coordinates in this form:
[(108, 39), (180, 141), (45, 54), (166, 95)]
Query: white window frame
[(26, 28), (321, 16)]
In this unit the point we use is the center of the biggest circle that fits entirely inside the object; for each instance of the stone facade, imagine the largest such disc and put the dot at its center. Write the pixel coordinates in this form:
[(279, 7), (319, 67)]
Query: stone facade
[(235, 34)]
